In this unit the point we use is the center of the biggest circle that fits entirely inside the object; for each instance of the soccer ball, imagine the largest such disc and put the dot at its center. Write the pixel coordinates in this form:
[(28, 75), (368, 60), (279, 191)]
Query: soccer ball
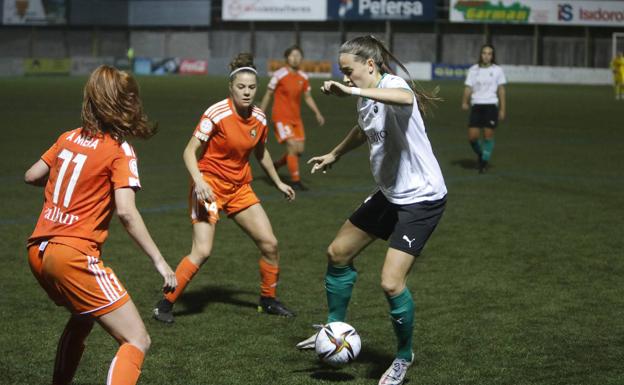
[(337, 343)]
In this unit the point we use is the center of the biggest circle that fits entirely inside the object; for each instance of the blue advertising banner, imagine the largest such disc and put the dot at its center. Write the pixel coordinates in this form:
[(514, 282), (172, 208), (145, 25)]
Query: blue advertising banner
[(441, 71), (364, 10)]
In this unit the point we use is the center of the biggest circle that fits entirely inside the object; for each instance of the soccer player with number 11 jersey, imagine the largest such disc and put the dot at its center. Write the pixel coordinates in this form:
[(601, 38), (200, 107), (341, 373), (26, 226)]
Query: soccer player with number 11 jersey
[(88, 173)]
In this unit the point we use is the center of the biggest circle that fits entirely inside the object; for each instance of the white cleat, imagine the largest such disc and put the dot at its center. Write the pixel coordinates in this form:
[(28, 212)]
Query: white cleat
[(395, 375), (310, 342)]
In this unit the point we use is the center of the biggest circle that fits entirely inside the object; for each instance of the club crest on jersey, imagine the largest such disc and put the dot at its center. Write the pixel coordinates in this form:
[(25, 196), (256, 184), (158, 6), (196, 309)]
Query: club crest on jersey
[(253, 133), (375, 108)]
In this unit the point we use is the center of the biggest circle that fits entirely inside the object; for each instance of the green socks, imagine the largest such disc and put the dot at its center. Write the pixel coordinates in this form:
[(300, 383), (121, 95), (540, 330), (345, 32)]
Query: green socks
[(476, 147), (339, 282), (402, 314), (488, 147)]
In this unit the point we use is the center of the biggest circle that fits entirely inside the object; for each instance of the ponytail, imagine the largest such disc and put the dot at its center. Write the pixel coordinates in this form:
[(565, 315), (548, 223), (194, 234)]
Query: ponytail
[(369, 47)]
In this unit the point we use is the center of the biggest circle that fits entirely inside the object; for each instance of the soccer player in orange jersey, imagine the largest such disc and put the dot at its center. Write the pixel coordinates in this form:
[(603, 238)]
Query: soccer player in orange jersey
[(217, 158), (288, 84), (88, 173)]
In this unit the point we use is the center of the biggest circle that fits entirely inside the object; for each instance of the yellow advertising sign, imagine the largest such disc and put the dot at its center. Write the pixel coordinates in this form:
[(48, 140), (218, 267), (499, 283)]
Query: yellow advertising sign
[(47, 66)]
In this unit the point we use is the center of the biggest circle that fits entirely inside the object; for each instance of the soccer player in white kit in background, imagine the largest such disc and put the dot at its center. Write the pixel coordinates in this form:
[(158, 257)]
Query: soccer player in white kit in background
[(485, 89), (410, 196)]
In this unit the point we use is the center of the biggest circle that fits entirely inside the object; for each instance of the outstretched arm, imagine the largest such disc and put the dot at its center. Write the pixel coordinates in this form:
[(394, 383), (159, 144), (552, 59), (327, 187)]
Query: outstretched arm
[(317, 113), (400, 96), (353, 140), (134, 225), (263, 156), (266, 99), (37, 174)]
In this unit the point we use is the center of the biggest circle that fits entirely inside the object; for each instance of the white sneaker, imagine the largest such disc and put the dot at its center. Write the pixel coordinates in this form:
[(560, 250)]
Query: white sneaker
[(310, 342), (395, 375)]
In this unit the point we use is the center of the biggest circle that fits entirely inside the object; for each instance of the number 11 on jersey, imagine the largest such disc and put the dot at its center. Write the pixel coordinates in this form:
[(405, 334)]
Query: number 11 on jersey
[(67, 157)]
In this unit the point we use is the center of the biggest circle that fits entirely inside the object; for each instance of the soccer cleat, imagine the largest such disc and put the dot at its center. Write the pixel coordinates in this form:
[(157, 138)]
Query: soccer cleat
[(298, 186), (163, 311), (273, 306), (395, 375), (310, 342)]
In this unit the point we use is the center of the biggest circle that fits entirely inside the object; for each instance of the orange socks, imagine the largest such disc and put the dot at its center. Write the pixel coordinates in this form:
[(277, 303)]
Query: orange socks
[(292, 161), (269, 275), (184, 273), (126, 366)]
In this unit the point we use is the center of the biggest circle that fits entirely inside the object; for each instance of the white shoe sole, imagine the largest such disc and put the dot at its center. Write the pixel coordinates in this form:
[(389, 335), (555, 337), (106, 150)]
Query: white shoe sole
[(308, 343)]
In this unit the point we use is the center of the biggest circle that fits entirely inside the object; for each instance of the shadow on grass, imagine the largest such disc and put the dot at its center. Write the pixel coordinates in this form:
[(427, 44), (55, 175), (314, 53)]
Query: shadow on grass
[(467, 164), (375, 361), (331, 375), (326, 373), (195, 301)]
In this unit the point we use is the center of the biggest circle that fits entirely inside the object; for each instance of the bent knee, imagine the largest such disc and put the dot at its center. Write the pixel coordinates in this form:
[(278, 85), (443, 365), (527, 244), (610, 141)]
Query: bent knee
[(200, 253), (337, 255), (142, 341), (392, 287), (268, 247)]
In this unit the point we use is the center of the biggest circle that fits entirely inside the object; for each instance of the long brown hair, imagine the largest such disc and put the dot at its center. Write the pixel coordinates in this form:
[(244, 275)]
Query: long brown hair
[(369, 47), (112, 104)]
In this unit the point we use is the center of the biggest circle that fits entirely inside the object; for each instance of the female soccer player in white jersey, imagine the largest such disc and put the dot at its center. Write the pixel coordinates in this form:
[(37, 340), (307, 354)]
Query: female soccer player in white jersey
[(485, 90), (410, 196)]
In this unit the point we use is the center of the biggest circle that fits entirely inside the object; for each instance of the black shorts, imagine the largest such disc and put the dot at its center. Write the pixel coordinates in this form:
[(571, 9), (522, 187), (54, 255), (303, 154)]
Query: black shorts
[(483, 115), (406, 226)]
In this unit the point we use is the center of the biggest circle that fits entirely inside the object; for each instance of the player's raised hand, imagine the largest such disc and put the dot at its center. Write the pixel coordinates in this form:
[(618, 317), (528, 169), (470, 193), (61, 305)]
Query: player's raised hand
[(322, 163), (332, 87)]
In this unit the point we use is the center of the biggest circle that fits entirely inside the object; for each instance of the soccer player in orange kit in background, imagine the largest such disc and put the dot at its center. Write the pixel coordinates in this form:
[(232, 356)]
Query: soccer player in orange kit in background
[(88, 173), (288, 84), (217, 158)]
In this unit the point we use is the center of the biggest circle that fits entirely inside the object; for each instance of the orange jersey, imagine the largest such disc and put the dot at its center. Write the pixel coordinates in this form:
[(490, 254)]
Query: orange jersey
[(288, 86), (78, 200), (231, 139)]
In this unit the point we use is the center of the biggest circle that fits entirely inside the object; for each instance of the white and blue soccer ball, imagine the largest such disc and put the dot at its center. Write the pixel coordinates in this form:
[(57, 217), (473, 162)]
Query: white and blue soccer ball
[(337, 343)]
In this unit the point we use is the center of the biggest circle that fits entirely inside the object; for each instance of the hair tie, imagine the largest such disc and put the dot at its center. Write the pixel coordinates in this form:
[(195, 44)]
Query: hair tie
[(243, 69)]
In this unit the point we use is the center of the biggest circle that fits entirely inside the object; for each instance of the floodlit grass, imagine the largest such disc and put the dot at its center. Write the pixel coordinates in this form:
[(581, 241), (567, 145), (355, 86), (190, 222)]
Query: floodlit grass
[(520, 284)]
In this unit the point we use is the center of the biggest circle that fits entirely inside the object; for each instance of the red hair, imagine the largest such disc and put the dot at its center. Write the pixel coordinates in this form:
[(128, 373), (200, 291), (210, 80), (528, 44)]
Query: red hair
[(112, 104)]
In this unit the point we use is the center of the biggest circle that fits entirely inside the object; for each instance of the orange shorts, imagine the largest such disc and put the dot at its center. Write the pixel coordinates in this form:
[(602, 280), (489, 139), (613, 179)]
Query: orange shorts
[(289, 131), (231, 198), (77, 281)]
